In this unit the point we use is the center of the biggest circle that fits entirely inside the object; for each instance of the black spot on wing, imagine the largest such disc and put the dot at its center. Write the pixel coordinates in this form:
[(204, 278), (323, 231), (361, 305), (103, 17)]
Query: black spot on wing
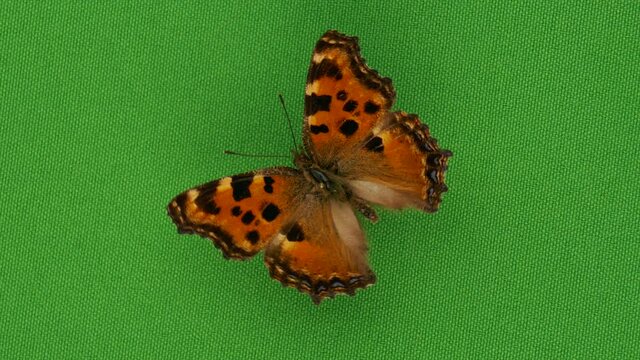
[(211, 207), (236, 211), (270, 212), (348, 127), (350, 105), (317, 129), (295, 233), (248, 217), (253, 237), (342, 95), (314, 103), (371, 107), (268, 184), (375, 144), (205, 198), (240, 185), (326, 67)]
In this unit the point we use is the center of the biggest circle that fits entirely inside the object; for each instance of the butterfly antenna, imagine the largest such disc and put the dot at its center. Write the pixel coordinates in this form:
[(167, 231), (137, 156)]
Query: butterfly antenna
[(286, 114), (229, 152)]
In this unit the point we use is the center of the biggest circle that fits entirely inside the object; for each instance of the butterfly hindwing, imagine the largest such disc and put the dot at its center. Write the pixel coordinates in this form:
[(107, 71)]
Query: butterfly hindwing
[(240, 213), (344, 98), (322, 251), (398, 165)]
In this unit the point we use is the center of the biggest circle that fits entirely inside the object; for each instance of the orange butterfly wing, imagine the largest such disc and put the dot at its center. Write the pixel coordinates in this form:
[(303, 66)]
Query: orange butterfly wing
[(344, 98), (388, 158), (322, 252), (398, 165), (240, 213)]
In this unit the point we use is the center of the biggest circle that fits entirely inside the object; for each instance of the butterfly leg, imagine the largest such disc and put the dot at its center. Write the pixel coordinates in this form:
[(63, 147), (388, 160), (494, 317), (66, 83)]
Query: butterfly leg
[(364, 208)]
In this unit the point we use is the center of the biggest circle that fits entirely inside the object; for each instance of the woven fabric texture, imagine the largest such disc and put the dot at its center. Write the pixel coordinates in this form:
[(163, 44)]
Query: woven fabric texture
[(109, 109)]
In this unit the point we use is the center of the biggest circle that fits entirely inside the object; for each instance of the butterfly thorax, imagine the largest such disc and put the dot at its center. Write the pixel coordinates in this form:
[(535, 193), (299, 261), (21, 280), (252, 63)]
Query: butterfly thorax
[(326, 182)]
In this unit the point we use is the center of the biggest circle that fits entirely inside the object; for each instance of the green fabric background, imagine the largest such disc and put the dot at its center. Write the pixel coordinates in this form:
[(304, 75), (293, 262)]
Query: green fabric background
[(109, 109)]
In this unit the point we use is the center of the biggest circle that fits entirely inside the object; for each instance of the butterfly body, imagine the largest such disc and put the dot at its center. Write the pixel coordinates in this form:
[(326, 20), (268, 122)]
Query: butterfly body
[(356, 154), (325, 180)]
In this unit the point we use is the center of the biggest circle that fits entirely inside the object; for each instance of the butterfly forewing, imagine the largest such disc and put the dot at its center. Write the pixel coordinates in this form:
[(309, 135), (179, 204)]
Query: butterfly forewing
[(344, 98), (240, 213)]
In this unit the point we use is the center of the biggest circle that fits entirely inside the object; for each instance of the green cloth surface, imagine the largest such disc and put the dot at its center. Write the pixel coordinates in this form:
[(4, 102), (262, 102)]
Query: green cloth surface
[(109, 109)]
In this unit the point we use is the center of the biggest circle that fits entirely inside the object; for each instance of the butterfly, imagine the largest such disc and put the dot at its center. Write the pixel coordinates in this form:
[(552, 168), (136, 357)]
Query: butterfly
[(356, 153)]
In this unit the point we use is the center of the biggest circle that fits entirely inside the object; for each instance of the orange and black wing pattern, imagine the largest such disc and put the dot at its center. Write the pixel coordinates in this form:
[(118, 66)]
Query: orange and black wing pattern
[(344, 98), (399, 165), (321, 252), (240, 213)]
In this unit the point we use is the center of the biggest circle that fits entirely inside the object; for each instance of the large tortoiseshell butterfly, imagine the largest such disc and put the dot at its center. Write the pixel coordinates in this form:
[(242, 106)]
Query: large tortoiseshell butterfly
[(356, 153)]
